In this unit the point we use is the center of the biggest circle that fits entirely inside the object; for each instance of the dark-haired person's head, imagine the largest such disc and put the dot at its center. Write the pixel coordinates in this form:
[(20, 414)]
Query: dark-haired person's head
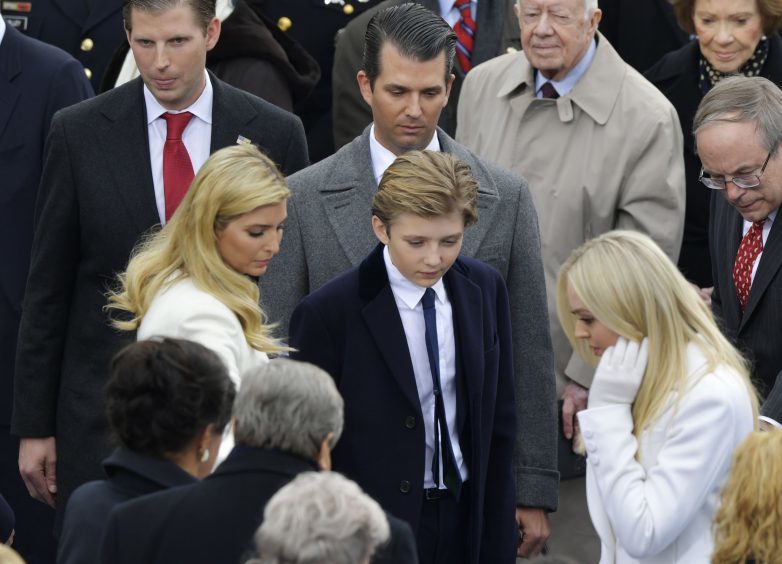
[(170, 399), (290, 406), (406, 79)]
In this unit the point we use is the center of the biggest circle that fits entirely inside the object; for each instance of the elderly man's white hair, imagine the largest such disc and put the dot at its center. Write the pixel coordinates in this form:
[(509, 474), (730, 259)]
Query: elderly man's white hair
[(589, 7), (320, 517)]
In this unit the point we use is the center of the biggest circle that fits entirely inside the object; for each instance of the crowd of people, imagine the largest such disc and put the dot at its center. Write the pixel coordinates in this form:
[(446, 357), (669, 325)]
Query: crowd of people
[(524, 303)]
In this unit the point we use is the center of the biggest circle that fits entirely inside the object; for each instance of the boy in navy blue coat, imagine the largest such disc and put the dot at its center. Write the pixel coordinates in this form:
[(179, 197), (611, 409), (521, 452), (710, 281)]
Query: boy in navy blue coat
[(418, 341)]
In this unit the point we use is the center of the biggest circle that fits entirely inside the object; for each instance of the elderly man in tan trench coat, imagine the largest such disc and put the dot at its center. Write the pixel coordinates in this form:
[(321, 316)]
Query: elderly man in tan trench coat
[(600, 147)]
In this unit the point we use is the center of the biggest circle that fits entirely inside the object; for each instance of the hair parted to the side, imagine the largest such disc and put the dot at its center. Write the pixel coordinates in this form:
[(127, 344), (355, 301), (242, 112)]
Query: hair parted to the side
[(770, 13), (426, 184), (320, 517), (741, 99), (416, 32), (634, 289), (232, 182), (290, 406), (162, 393), (748, 524), (204, 10)]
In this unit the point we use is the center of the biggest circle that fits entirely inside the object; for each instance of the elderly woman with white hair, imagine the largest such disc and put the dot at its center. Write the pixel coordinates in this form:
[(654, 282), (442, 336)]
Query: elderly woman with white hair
[(320, 517)]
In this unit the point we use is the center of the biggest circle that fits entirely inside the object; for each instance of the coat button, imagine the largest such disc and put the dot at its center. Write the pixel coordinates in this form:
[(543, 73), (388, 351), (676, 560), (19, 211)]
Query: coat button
[(347, 9), (404, 486), (88, 72), (410, 422), (284, 23), (87, 44)]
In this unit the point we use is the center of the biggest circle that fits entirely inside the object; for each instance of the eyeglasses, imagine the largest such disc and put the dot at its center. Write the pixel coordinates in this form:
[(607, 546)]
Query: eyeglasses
[(743, 181)]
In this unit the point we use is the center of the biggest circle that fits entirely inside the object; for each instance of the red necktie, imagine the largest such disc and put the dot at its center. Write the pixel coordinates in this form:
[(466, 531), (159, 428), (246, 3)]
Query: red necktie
[(548, 91), (177, 168), (465, 35), (749, 249)]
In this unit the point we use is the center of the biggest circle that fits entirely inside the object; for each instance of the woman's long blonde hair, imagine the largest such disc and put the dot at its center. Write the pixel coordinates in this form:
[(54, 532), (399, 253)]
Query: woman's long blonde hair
[(748, 524), (635, 290), (232, 182)]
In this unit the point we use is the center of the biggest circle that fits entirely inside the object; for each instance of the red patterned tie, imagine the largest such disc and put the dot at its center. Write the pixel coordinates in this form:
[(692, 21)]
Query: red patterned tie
[(465, 35), (749, 249), (177, 168)]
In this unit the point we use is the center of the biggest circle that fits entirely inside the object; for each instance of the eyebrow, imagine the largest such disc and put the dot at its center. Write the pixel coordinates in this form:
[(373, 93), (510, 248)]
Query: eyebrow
[(581, 312), (407, 237)]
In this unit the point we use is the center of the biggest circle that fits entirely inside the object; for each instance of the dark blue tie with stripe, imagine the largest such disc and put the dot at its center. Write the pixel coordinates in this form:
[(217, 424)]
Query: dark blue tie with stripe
[(442, 439)]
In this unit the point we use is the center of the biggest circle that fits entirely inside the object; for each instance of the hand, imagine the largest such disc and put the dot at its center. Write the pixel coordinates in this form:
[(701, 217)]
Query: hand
[(704, 293), (533, 531), (574, 399), (619, 373), (38, 467)]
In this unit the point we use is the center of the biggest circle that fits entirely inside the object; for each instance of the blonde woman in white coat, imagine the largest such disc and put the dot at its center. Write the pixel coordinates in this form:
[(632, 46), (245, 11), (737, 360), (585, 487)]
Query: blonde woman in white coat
[(670, 401), (196, 279)]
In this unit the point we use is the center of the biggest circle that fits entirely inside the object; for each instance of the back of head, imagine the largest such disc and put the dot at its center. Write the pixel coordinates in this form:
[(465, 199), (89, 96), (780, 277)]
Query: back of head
[(288, 406), (739, 99), (163, 393), (748, 524), (321, 517), (634, 289), (204, 10), (427, 184), (416, 32)]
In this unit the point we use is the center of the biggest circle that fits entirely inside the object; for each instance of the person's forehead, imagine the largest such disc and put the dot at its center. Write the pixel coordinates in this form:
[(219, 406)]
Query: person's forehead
[(393, 64), (569, 5), (182, 11)]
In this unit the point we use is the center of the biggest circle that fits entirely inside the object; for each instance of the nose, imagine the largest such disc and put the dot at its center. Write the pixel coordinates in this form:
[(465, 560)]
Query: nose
[(580, 331), (543, 26), (161, 58), (413, 106), (432, 257), (732, 192), (724, 34)]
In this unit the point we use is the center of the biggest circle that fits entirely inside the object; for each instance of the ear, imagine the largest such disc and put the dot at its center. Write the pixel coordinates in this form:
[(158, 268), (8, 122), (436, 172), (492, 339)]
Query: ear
[(202, 441), (365, 86), (324, 454), (212, 33), (596, 17), (380, 229), (448, 86)]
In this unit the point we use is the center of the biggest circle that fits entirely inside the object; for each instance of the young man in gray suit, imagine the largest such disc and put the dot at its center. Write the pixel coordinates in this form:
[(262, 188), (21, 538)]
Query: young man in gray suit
[(406, 81), (107, 179)]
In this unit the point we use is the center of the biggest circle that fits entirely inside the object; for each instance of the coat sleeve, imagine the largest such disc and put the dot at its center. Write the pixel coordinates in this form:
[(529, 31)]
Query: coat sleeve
[(312, 338), (351, 113), (537, 478), (287, 281), (47, 304), (648, 508)]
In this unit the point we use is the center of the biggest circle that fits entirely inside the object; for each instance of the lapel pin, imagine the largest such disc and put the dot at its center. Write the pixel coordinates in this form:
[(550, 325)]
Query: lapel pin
[(242, 140)]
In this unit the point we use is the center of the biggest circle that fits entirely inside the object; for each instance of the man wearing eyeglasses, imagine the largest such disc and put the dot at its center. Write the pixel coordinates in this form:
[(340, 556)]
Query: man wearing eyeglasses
[(738, 131)]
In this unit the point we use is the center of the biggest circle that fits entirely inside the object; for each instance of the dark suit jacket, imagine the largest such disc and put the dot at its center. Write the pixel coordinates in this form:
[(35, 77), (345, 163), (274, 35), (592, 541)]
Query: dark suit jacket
[(676, 75), (36, 80), (758, 332), (772, 407), (352, 329), (497, 31), (641, 31), (329, 230), (97, 199), (130, 475), (210, 521), (66, 23)]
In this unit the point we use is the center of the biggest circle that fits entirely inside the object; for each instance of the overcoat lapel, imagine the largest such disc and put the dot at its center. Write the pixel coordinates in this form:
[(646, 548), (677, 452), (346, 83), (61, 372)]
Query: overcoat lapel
[(123, 131), (230, 116), (384, 324), (347, 196), (10, 67), (730, 304)]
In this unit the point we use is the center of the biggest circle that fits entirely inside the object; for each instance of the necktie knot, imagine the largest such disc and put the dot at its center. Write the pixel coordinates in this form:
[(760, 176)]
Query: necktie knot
[(428, 300), (548, 91), (175, 124), (462, 4)]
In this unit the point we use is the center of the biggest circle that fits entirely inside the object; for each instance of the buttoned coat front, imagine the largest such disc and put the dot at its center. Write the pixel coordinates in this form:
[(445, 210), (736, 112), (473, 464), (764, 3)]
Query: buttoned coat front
[(351, 328), (607, 155), (329, 230), (659, 508)]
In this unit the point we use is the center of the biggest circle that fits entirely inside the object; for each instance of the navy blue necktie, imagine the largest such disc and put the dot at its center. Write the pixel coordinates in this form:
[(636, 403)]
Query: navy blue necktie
[(451, 475)]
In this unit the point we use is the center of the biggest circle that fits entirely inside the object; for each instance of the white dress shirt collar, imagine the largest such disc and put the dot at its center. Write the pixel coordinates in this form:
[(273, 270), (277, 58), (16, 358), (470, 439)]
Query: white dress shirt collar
[(571, 79), (409, 292), (382, 157), (766, 226), (201, 108)]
